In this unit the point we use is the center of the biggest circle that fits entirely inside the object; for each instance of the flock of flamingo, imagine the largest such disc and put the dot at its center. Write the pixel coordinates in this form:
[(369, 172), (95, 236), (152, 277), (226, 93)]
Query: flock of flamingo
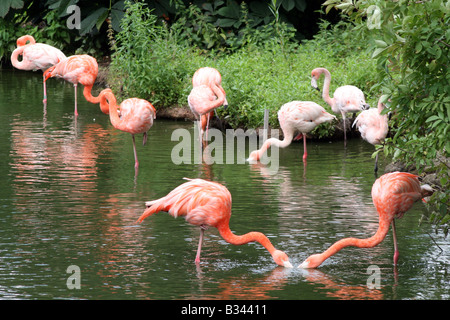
[(208, 204)]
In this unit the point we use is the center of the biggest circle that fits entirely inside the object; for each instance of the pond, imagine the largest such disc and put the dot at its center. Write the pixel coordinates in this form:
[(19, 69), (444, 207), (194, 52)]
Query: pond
[(70, 199)]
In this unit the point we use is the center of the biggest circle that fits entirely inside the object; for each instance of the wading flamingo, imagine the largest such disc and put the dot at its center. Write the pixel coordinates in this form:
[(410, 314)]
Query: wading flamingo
[(76, 69), (35, 56), (203, 99), (373, 126), (136, 116), (208, 204), (208, 76), (295, 116), (393, 194), (345, 99)]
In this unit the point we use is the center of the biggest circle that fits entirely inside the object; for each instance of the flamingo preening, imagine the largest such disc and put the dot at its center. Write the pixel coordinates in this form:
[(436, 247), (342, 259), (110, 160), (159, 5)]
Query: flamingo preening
[(76, 69), (35, 56), (373, 126), (207, 76)]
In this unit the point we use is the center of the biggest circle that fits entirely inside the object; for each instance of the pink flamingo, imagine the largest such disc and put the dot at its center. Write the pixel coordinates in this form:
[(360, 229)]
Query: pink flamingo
[(203, 99), (35, 56), (393, 194), (208, 76), (295, 116), (373, 126), (136, 116), (345, 99), (76, 69), (208, 204)]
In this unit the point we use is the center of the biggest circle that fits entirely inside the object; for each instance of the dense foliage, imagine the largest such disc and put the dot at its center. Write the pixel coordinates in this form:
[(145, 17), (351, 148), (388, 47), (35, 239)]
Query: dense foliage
[(208, 24), (156, 61), (410, 41)]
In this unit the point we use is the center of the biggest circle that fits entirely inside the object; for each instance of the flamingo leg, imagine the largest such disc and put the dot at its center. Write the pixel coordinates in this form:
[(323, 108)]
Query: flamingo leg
[(345, 131), (199, 248), (376, 163), (207, 125), (76, 111), (136, 162), (396, 253), (305, 152), (45, 91)]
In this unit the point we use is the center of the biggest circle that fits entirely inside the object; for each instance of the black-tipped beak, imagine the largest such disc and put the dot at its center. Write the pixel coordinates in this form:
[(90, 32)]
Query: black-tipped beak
[(225, 106)]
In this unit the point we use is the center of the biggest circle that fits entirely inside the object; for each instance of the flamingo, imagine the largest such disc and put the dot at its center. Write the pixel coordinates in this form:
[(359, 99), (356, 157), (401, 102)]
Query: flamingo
[(77, 69), (203, 99), (373, 126), (208, 204), (393, 194), (136, 116), (208, 76), (35, 56), (345, 99), (302, 116)]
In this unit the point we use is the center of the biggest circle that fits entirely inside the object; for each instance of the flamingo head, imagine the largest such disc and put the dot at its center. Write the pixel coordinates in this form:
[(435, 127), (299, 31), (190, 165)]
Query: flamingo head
[(281, 259), (48, 73), (315, 74), (254, 156), (364, 105), (311, 262)]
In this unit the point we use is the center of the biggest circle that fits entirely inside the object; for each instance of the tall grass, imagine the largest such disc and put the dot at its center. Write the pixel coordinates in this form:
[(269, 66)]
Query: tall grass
[(151, 62)]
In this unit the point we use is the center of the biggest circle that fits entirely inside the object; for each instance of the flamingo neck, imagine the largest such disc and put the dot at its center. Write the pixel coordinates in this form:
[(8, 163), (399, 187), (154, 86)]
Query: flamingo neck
[(108, 100), (220, 96), (15, 58), (87, 92), (22, 41), (326, 87), (371, 242), (230, 237)]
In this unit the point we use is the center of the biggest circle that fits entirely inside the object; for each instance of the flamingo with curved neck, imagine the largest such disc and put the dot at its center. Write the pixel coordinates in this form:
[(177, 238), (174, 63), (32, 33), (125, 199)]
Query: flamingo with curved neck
[(393, 194), (345, 99), (208, 204), (295, 116), (136, 116), (208, 76), (35, 56), (203, 99), (77, 69), (373, 126)]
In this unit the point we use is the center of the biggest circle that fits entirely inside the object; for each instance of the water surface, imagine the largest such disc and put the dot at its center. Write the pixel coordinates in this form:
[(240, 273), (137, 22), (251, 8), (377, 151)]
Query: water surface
[(69, 196)]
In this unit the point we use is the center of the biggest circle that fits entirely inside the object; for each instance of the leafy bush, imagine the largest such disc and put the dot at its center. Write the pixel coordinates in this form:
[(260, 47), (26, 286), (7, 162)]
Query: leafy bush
[(410, 41), (154, 61)]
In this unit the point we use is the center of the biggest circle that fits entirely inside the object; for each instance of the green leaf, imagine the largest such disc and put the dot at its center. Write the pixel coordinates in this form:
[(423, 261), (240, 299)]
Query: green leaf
[(288, 5), (380, 44), (5, 5), (89, 22)]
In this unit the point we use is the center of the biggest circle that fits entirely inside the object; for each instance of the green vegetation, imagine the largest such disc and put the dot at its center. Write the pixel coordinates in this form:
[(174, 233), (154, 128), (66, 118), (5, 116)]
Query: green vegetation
[(410, 41), (156, 61)]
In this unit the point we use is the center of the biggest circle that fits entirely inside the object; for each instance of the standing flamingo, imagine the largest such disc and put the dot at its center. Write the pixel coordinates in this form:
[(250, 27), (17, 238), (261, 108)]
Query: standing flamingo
[(77, 69), (208, 76), (35, 56), (203, 99), (295, 116), (393, 194), (373, 126), (136, 116), (345, 99), (208, 204)]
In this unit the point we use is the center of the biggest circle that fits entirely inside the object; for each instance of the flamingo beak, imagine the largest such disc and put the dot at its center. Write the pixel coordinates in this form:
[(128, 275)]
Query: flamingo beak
[(314, 84)]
